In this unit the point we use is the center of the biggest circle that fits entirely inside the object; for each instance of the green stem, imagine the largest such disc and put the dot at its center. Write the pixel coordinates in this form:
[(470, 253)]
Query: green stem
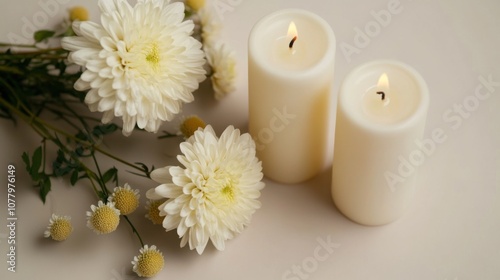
[(101, 181), (17, 45), (63, 117), (90, 174), (68, 115), (37, 52), (134, 230), (33, 118), (82, 121), (40, 56), (12, 70), (119, 159)]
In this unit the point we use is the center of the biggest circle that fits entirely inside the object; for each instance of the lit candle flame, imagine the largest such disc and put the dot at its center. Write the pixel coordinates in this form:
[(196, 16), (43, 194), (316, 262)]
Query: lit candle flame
[(383, 82), (383, 86), (292, 30)]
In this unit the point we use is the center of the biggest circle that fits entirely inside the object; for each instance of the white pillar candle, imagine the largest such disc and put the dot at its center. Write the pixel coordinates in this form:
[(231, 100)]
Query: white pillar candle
[(290, 73), (381, 112)]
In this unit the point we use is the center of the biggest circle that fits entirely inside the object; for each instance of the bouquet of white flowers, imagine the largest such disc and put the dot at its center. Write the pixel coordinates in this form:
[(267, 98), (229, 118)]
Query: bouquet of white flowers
[(140, 65)]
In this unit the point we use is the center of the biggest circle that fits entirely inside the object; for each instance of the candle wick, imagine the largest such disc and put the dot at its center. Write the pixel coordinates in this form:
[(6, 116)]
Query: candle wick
[(382, 93), (292, 42)]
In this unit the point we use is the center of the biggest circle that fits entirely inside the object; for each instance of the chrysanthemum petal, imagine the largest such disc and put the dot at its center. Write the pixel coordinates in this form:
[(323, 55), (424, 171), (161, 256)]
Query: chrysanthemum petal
[(168, 190), (171, 222), (161, 175)]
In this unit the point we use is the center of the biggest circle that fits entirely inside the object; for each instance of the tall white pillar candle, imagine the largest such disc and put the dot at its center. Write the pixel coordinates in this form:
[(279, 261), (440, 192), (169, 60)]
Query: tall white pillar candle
[(381, 112), (290, 73)]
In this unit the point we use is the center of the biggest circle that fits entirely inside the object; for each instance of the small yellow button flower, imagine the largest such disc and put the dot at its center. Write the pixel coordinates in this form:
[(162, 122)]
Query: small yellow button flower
[(104, 218), (190, 125), (149, 262), (59, 227), (153, 213), (126, 199), (78, 13), (195, 4)]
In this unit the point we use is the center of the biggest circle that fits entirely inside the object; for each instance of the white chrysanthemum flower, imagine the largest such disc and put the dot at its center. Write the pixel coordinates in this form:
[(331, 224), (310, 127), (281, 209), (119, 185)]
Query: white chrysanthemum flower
[(141, 65), (59, 227), (210, 27), (104, 218), (126, 199), (223, 66), (215, 193), (149, 262)]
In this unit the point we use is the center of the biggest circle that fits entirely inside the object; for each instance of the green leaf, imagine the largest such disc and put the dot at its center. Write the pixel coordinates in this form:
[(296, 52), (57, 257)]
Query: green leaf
[(102, 195), (60, 166), (74, 177), (110, 174), (79, 151), (36, 162), (82, 136), (104, 129), (36, 176), (43, 35), (145, 170), (84, 176), (57, 167), (44, 187), (26, 160), (143, 166)]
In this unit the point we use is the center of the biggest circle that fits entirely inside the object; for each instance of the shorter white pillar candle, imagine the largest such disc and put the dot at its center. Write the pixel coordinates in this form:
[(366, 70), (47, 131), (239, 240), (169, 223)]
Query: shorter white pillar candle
[(290, 73), (381, 112)]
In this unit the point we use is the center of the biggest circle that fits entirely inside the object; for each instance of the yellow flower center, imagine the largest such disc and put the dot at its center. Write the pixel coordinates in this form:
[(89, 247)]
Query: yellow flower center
[(104, 219), (154, 213), (153, 56), (78, 13), (143, 59), (222, 190), (150, 263), (190, 125), (228, 192), (60, 229), (126, 201)]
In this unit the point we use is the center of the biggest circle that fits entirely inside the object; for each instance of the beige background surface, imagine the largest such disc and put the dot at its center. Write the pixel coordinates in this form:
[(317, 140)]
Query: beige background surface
[(451, 231)]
